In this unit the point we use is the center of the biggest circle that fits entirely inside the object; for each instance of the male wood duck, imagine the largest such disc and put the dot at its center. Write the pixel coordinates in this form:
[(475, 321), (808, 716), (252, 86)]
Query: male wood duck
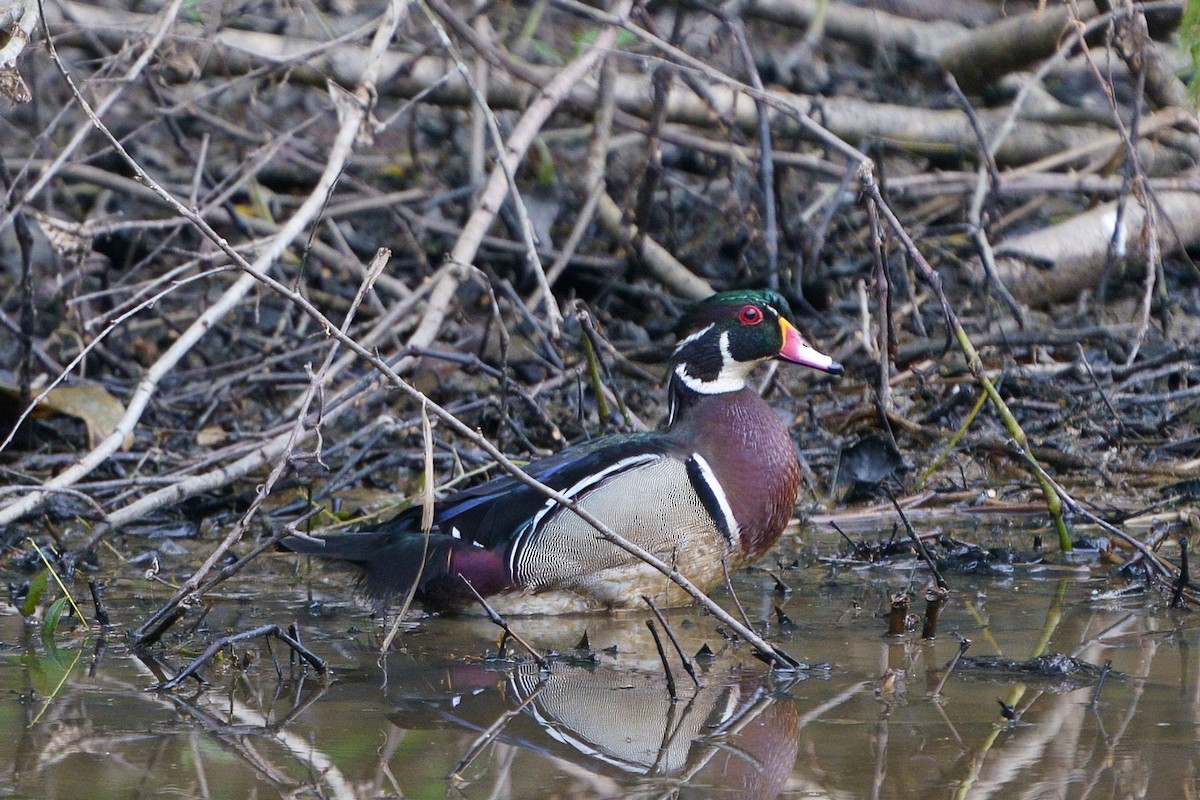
[(715, 486)]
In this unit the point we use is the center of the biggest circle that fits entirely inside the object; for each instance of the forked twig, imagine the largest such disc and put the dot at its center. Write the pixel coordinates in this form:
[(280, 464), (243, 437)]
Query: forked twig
[(263, 630)]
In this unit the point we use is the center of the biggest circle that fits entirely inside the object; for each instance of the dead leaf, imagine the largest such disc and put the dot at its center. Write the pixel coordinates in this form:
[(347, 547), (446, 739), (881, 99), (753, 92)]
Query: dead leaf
[(99, 410), (92, 403), (210, 436)]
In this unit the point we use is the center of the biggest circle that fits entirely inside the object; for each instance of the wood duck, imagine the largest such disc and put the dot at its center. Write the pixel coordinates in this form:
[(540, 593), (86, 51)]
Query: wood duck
[(709, 492)]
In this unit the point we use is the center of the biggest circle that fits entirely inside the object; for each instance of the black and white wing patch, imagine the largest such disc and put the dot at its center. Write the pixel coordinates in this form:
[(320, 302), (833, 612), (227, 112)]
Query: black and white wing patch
[(712, 496)]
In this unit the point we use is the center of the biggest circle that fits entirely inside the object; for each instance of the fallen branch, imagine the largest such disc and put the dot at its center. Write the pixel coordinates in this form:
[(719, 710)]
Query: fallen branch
[(1059, 262)]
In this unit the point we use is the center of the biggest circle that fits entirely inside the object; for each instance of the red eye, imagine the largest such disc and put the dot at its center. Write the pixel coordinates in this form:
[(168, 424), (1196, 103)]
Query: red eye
[(750, 315)]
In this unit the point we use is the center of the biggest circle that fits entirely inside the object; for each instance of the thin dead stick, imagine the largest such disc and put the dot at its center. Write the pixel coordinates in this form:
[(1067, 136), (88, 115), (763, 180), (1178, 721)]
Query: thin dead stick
[(1135, 176), (662, 657), (1105, 671), (427, 509), (499, 621), (683, 658), (883, 297), (963, 646), (508, 169), (766, 164), (737, 603), (989, 177), (917, 542)]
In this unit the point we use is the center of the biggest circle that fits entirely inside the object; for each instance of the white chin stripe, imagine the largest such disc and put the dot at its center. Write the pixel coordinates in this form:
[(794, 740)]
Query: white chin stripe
[(721, 385), (731, 378)]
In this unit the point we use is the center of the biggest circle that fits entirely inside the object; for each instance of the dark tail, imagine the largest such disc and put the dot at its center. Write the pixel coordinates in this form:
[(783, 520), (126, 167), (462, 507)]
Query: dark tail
[(392, 563)]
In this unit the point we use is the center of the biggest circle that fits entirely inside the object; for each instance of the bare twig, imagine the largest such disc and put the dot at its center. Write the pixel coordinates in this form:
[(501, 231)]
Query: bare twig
[(963, 646), (499, 621), (683, 657), (766, 165), (662, 657)]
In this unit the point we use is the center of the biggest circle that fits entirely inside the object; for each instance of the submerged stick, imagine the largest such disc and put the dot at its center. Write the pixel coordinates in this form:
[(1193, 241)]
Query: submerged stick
[(264, 630), (662, 656), (495, 618), (683, 659), (920, 545), (963, 646)]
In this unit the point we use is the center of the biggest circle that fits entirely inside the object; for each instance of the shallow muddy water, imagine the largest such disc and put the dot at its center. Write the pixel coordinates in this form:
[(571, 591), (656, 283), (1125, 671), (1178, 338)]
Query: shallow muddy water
[(82, 720)]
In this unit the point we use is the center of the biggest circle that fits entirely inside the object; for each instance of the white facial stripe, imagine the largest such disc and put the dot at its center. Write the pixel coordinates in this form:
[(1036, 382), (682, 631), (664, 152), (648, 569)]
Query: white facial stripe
[(693, 337), (731, 378), (718, 491), (528, 532)]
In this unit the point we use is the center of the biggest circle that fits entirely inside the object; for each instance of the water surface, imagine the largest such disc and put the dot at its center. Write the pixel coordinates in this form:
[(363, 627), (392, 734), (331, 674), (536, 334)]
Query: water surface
[(83, 721)]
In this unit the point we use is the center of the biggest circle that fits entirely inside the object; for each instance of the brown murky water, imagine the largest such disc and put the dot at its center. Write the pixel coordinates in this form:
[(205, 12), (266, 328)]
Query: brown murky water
[(81, 721)]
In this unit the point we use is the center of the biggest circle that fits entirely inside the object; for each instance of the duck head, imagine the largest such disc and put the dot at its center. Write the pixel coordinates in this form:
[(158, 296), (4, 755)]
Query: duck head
[(729, 334)]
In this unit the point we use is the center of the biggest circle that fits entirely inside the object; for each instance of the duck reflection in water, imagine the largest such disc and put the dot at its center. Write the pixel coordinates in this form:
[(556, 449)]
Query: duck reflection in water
[(735, 739)]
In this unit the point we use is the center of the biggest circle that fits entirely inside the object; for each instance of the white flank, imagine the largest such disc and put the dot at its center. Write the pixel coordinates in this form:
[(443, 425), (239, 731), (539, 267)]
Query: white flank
[(719, 492), (530, 529)]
